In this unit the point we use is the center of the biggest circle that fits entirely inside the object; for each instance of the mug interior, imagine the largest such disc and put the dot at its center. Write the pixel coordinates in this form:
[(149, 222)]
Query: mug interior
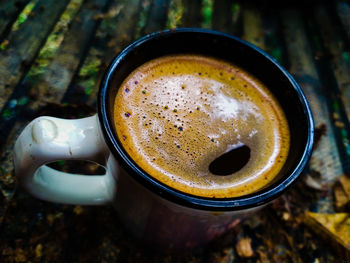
[(233, 50)]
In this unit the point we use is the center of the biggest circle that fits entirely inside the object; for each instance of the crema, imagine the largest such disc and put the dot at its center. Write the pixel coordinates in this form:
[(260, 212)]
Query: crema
[(176, 115)]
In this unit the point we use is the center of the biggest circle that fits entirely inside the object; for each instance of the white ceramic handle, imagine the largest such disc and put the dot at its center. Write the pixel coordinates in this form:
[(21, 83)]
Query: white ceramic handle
[(48, 139)]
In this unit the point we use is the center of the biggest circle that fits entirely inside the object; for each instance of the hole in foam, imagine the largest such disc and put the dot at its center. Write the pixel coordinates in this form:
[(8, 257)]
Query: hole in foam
[(231, 161)]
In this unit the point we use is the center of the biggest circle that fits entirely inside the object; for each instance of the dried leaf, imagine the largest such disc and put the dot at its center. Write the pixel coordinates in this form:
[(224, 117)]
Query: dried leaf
[(78, 210), (263, 257), (339, 124), (345, 183), (331, 226), (315, 183), (286, 216), (39, 251), (342, 193), (341, 199), (244, 248), (20, 255)]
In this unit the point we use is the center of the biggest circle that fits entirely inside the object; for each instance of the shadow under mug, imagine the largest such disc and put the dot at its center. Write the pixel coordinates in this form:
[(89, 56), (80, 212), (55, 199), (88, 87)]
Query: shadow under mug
[(158, 215)]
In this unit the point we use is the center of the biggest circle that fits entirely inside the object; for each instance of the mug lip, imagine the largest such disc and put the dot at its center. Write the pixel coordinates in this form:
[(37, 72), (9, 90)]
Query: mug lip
[(203, 203)]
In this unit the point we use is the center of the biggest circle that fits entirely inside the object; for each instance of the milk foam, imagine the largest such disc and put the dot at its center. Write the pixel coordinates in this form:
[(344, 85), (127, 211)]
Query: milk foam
[(176, 114)]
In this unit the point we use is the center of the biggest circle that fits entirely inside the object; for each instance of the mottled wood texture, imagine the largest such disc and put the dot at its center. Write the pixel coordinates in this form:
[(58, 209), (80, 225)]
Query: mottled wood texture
[(59, 73), (157, 16), (24, 45), (326, 157), (192, 13), (9, 11), (222, 16), (52, 58)]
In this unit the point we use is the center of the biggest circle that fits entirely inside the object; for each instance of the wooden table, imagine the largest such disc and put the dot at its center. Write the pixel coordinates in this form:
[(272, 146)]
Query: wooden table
[(52, 57)]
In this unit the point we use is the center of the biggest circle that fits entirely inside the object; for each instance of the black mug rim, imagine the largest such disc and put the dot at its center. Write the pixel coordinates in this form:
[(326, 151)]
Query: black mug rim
[(203, 203)]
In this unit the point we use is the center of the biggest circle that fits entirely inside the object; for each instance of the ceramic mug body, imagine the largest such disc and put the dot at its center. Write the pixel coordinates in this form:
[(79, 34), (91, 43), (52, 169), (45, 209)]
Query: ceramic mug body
[(163, 224), (154, 212)]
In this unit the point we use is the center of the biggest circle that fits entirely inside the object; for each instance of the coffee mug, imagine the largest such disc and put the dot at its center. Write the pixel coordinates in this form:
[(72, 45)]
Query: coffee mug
[(155, 213)]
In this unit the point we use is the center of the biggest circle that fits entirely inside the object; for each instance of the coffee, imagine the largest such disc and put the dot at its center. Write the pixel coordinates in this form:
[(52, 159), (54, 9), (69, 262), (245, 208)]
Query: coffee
[(187, 120)]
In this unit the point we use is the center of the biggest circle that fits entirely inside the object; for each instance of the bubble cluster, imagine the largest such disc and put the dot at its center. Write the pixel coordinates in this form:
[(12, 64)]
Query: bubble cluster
[(189, 110)]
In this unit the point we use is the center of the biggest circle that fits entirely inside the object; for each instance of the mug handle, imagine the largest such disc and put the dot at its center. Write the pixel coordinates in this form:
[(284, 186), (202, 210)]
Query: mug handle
[(48, 139)]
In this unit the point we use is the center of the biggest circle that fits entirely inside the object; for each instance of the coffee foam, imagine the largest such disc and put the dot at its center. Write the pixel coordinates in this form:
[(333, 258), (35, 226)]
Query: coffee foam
[(176, 114)]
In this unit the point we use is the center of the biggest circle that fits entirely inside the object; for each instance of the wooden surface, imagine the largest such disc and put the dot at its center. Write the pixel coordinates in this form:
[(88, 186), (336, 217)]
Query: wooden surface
[(52, 58)]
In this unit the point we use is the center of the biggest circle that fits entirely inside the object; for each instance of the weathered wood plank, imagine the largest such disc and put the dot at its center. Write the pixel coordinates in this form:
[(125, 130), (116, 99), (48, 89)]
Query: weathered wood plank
[(192, 13), (55, 80), (222, 16), (325, 157), (331, 58), (9, 11), (273, 36), (17, 113), (207, 13), (261, 27), (337, 50), (117, 30), (26, 92), (157, 16), (252, 26), (343, 10), (33, 87), (145, 7), (24, 45), (62, 68), (237, 19), (175, 13)]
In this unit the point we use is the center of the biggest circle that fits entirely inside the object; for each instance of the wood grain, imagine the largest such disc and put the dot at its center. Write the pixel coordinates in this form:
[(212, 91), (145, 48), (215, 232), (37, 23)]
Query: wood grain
[(24, 45)]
